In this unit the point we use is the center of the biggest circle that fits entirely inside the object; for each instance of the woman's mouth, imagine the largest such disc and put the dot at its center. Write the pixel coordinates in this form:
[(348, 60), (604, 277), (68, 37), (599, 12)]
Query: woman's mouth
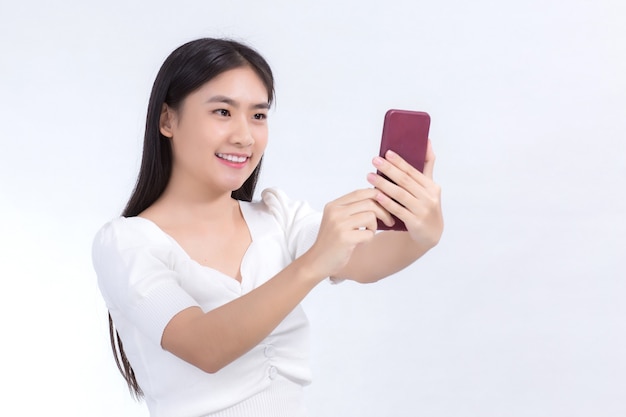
[(232, 159)]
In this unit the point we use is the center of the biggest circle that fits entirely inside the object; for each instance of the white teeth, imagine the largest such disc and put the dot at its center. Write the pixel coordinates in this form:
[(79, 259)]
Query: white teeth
[(232, 158)]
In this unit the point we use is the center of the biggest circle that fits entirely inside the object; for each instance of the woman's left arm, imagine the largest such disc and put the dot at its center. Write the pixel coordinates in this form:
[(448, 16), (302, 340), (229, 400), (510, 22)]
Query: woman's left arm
[(417, 203)]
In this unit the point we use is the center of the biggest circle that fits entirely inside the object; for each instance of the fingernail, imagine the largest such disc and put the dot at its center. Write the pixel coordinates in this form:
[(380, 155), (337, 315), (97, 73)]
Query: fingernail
[(390, 154), (378, 161), (371, 177)]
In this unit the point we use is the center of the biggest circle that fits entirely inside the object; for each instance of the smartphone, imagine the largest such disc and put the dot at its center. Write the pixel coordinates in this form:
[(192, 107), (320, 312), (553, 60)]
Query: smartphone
[(406, 133)]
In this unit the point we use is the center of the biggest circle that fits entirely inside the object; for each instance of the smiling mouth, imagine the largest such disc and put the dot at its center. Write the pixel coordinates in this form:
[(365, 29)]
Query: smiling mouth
[(232, 158)]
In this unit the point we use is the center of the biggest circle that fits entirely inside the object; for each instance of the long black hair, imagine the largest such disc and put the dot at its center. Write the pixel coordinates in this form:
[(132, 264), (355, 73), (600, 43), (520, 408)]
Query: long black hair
[(185, 70)]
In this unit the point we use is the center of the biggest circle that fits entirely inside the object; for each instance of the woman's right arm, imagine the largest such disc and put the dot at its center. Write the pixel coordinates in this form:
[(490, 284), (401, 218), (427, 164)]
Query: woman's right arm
[(214, 339)]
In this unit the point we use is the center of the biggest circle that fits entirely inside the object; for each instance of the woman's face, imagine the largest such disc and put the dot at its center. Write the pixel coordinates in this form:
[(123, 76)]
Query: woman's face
[(219, 133)]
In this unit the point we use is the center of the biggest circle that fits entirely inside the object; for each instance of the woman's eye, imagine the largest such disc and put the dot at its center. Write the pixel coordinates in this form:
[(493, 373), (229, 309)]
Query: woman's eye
[(222, 112), (260, 116)]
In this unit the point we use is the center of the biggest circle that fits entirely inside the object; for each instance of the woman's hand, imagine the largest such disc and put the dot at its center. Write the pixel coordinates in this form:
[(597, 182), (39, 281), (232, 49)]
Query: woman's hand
[(347, 222), (417, 197)]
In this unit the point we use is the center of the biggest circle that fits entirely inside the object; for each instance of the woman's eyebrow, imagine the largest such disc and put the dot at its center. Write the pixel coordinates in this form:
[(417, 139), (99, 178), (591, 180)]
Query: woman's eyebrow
[(235, 103)]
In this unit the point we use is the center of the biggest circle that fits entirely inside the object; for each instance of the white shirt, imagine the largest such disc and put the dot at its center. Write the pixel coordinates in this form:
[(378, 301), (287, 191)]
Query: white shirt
[(146, 278)]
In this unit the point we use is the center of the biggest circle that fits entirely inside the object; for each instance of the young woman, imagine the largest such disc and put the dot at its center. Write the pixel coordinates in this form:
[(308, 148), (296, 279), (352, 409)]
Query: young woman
[(202, 284)]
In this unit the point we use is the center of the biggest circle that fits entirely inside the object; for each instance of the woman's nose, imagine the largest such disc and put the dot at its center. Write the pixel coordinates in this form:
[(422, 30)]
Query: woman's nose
[(242, 134)]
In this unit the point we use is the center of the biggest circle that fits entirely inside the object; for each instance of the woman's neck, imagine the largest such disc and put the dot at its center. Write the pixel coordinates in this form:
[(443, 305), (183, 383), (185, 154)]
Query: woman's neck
[(181, 205)]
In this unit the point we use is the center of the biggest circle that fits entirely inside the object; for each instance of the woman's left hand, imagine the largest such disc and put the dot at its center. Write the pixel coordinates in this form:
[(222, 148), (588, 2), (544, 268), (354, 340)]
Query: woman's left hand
[(417, 197)]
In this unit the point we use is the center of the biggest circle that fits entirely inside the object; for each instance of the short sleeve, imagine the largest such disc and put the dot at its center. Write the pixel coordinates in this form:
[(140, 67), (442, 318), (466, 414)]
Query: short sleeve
[(298, 220), (133, 262)]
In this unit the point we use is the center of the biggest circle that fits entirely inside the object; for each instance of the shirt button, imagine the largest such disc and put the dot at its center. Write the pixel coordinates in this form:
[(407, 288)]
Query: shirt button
[(270, 351), (272, 372)]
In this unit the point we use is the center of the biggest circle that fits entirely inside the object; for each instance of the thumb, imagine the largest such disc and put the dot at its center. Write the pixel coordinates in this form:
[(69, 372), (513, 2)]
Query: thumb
[(429, 162)]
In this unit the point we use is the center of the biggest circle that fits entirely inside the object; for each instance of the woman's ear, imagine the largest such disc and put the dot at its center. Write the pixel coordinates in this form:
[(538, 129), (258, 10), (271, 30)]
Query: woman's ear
[(166, 121)]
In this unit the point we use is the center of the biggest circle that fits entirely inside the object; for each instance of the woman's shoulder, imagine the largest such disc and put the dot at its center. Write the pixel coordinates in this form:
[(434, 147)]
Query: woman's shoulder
[(296, 219), (129, 232), (288, 212), (284, 207)]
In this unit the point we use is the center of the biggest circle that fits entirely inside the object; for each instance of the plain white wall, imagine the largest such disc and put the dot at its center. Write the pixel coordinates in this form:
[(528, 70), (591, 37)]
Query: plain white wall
[(518, 312)]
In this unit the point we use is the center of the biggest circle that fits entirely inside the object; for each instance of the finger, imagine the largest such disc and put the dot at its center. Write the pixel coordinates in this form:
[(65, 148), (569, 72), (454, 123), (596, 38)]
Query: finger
[(371, 205), (360, 235), (398, 170), (400, 202), (397, 192), (362, 221), (354, 196), (392, 206), (429, 162), (397, 209), (397, 182)]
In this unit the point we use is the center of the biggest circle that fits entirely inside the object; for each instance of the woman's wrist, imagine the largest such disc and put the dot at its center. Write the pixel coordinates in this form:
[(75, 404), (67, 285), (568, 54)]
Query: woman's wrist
[(305, 268)]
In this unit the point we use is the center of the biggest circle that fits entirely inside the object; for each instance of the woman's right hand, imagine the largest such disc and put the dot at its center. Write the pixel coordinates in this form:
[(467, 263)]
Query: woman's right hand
[(346, 222)]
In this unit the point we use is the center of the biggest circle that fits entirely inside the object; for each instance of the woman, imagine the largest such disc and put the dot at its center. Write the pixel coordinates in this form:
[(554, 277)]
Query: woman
[(202, 284)]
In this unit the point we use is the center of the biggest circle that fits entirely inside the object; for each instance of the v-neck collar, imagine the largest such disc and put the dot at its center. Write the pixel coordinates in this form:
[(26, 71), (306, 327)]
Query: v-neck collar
[(248, 213)]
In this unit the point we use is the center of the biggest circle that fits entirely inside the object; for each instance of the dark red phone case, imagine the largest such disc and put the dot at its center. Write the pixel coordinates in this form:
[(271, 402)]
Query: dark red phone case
[(406, 133)]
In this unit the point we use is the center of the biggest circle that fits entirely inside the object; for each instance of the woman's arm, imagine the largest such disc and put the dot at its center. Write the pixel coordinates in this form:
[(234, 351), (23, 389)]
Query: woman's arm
[(214, 339), (420, 209), (347, 246)]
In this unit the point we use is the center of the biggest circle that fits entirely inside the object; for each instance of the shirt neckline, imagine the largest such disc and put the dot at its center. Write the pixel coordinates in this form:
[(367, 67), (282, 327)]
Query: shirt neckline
[(243, 207)]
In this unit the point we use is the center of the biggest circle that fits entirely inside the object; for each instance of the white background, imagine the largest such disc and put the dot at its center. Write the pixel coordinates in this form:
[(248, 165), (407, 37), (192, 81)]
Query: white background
[(518, 312)]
